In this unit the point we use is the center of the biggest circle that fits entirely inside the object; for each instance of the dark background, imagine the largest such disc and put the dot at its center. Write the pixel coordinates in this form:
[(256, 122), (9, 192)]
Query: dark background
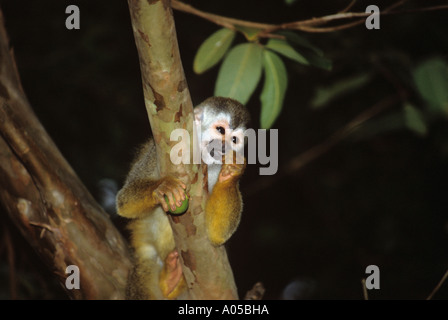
[(379, 197)]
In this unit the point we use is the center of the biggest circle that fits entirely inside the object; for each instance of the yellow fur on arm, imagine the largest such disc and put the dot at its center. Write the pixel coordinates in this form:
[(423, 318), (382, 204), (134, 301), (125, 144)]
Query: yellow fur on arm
[(223, 211), (136, 200)]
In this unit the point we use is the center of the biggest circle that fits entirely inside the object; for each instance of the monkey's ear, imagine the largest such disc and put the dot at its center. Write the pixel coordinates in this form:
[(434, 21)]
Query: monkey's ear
[(198, 114)]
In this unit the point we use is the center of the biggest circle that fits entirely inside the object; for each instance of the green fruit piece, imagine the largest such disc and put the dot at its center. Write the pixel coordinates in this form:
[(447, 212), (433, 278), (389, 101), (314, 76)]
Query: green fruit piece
[(179, 210)]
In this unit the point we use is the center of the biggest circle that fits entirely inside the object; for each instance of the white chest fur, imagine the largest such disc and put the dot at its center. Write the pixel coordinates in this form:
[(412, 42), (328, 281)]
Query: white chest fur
[(213, 173)]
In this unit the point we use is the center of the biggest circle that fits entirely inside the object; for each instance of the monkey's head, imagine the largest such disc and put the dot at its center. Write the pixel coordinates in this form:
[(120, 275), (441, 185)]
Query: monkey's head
[(221, 123)]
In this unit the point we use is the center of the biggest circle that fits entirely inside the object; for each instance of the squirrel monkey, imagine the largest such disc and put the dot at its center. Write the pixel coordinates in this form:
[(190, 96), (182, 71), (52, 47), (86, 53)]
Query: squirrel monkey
[(157, 273)]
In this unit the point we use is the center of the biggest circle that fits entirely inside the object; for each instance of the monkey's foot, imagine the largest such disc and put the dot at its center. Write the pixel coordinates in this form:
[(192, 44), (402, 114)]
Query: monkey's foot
[(173, 189), (172, 282)]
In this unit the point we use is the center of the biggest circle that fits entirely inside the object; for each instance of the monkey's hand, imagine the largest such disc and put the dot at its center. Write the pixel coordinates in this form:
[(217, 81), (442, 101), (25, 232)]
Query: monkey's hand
[(232, 168), (173, 189), (138, 198)]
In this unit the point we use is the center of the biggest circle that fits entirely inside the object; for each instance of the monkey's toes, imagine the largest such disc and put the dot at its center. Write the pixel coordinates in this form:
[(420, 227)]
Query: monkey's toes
[(171, 274), (172, 260)]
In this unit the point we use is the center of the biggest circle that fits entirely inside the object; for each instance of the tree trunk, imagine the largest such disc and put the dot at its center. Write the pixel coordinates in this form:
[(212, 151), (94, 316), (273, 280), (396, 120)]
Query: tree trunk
[(47, 201), (57, 215), (168, 103)]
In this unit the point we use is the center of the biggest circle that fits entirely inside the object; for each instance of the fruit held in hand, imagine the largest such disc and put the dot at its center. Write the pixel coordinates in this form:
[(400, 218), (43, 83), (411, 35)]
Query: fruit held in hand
[(179, 210)]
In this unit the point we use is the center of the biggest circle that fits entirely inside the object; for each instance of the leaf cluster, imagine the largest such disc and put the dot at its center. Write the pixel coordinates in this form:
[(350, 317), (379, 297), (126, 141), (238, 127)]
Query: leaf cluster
[(244, 64)]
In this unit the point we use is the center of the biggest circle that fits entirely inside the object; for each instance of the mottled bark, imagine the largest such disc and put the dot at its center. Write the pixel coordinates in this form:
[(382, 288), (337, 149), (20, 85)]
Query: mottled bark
[(168, 103), (47, 201)]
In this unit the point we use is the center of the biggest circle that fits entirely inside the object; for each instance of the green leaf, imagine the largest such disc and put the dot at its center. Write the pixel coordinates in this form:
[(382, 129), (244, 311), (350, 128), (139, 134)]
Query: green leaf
[(311, 53), (386, 124), (431, 78), (251, 34), (284, 48), (414, 119), (240, 72), (212, 50), (326, 95), (274, 88), (318, 61), (297, 40)]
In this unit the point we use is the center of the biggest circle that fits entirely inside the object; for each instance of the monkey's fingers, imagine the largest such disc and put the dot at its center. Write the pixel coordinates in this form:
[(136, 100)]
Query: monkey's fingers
[(225, 171), (225, 175), (163, 192), (230, 172), (238, 169), (161, 200), (182, 184), (174, 191), (171, 200), (179, 194)]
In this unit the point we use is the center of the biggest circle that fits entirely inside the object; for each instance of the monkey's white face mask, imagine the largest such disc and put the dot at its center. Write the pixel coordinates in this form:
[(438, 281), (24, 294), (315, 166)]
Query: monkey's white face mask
[(216, 136)]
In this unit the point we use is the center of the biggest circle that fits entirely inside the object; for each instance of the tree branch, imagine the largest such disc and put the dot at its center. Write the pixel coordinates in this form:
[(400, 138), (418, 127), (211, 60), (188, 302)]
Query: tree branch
[(256, 293), (350, 5), (434, 291), (308, 25), (298, 162), (225, 22), (365, 293), (168, 104), (39, 188)]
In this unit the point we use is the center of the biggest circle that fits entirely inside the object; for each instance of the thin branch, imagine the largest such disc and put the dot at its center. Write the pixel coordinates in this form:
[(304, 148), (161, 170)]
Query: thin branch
[(256, 293), (425, 9), (309, 25), (331, 29), (351, 4), (42, 225), (395, 5), (315, 152), (306, 157), (348, 25), (391, 78), (226, 22), (364, 289), (445, 276)]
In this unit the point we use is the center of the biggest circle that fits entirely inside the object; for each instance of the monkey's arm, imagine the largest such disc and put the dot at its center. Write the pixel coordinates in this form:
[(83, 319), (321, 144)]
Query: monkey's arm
[(140, 197), (144, 190), (151, 236), (224, 205)]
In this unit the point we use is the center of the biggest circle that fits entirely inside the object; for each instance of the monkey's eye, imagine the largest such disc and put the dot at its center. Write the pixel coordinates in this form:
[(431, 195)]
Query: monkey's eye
[(234, 139), (221, 130)]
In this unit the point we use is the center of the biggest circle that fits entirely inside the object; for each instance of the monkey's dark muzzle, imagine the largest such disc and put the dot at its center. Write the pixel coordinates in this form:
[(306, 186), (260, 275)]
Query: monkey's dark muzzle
[(217, 148)]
